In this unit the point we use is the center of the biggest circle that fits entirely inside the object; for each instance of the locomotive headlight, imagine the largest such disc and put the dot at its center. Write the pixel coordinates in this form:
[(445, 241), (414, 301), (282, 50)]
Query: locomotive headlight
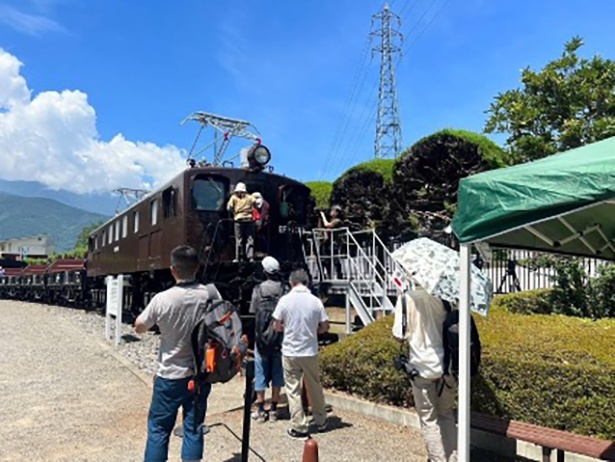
[(259, 156)]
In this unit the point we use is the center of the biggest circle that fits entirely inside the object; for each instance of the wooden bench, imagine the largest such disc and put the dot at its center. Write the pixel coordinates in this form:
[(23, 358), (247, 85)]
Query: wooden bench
[(549, 439)]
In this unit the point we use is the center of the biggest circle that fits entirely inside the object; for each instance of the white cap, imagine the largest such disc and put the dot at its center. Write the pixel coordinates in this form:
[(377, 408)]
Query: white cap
[(257, 195), (271, 265), (241, 187)]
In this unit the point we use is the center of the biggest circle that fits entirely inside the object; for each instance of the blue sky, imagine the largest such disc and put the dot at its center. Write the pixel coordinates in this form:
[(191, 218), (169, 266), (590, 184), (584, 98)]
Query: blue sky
[(288, 67)]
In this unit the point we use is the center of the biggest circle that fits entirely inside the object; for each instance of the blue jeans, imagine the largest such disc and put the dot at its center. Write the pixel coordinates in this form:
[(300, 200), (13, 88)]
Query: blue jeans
[(268, 368), (168, 397)]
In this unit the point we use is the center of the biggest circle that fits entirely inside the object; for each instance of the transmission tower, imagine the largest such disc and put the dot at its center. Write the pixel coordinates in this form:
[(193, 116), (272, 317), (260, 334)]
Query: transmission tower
[(388, 126)]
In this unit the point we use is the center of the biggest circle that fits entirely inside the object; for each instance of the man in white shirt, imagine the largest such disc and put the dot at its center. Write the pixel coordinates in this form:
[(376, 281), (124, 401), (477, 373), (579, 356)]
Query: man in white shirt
[(302, 316), (176, 312), (434, 393)]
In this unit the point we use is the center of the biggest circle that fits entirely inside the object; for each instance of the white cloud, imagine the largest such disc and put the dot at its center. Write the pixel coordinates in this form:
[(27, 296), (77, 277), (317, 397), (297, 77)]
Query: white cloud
[(32, 24), (52, 138)]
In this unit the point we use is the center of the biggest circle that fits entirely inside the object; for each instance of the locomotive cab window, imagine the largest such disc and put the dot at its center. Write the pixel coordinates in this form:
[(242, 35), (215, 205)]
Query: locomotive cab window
[(293, 203), (209, 194), (135, 217), (169, 208)]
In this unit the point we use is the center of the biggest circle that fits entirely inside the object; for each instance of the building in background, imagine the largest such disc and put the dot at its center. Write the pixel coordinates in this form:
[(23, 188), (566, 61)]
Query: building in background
[(19, 248)]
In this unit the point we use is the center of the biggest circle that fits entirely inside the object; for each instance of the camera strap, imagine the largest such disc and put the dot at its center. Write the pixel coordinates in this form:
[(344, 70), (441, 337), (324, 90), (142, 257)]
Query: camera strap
[(404, 315)]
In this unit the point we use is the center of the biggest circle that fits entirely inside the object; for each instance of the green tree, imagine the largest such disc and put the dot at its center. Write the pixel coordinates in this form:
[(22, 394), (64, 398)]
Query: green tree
[(321, 192), (81, 244), (569, 103)]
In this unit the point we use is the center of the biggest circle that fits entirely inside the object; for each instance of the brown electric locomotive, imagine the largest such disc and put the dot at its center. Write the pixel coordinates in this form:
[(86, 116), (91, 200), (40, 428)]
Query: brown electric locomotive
[(191, 210)]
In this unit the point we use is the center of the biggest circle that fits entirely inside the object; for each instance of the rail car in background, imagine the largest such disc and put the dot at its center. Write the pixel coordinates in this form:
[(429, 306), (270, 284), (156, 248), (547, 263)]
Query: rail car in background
[(61, 282), (67, 282)]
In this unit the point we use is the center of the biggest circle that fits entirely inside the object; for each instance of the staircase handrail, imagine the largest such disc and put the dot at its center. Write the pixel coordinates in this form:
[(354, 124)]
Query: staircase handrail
[(397, 266)]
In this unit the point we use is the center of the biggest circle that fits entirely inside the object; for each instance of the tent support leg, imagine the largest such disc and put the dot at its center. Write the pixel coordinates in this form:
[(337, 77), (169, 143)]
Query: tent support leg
[(463, 425)]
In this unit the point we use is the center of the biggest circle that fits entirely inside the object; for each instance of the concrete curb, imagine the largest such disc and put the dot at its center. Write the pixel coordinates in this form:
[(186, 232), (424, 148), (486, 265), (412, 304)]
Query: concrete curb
[(506, 447), (138, 373)]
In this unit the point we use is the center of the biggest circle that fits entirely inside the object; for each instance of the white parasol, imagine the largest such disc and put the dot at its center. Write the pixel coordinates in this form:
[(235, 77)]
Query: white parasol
[(435, 268)]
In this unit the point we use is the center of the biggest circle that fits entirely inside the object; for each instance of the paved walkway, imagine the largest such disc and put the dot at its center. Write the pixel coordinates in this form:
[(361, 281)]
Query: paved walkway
[(64, 397)]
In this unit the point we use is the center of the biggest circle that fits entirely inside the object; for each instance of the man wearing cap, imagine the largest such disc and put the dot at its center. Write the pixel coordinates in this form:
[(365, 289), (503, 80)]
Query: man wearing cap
[(240, 206), (260, 214), (268, 365)]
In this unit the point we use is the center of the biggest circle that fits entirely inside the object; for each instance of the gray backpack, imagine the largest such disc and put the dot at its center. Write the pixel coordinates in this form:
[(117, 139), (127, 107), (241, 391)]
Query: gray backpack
[(218, 343)]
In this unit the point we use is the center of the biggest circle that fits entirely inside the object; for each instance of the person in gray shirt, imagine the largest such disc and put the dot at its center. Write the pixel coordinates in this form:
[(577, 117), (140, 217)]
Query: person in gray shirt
[(175, 311)]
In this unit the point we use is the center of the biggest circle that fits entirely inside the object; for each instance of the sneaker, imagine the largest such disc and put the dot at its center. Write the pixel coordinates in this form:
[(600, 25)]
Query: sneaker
[(259, 416), (273, 416), (323, 428), (294, 434)]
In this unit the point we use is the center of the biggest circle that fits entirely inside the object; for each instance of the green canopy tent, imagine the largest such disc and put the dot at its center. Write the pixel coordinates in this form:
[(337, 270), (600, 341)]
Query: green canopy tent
[(564, 203)]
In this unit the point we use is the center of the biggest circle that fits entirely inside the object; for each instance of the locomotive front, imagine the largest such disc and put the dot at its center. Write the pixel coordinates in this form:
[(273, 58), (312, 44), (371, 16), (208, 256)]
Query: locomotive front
[(210, 230)]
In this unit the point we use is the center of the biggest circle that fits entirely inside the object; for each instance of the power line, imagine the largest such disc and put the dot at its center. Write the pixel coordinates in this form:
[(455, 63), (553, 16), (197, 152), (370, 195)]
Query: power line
[(361, 129), (345, 119), (431, 21)]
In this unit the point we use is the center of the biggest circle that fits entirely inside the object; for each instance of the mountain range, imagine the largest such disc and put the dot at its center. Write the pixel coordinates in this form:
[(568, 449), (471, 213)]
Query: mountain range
[(104, 204), (26, 216)]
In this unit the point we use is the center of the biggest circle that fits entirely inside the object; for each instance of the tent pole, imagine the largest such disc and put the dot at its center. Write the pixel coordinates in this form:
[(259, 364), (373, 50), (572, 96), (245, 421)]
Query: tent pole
[(463, 424)]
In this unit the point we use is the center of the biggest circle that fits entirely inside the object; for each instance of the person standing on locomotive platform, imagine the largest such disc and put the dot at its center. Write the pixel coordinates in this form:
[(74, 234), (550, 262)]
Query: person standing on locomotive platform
[(175, 311), (260, 214), (302, 316), (267, 363), (240, 205)]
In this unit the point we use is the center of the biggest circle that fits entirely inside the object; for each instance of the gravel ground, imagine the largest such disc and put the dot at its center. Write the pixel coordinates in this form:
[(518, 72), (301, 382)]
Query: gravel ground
[(141, 350), (64, 397)]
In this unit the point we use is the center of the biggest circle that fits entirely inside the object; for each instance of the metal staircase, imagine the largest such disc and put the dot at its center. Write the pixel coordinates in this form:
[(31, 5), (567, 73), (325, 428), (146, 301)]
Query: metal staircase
[(356, 265)]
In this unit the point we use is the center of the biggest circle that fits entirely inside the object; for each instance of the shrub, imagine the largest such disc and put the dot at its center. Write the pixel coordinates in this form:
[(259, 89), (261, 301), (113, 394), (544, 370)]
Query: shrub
[(553, 371), (528, 302), (321, 192), (426, 176), (602, 304), (364, 194), (575, 293), (363, 365)]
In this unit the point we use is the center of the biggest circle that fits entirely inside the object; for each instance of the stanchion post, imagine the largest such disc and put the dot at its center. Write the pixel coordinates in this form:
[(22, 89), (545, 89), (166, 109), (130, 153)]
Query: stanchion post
[(247, 407), (310, 451)]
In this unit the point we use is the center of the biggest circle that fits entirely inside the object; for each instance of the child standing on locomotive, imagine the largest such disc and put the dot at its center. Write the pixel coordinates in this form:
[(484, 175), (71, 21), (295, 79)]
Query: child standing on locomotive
[(240, 205)]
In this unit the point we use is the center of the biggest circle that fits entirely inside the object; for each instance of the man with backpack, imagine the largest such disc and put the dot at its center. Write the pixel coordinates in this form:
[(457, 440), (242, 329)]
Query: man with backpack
[(420, 318), (268, 344), (176, 312)]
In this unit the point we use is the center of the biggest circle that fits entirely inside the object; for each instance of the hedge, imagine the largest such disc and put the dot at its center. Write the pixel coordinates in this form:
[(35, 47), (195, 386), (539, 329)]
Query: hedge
[(528, 302), (553, 371)]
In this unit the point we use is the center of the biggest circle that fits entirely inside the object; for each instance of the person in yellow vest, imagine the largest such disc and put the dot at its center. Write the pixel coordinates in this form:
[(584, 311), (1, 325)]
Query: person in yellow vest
[(240, 206)]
